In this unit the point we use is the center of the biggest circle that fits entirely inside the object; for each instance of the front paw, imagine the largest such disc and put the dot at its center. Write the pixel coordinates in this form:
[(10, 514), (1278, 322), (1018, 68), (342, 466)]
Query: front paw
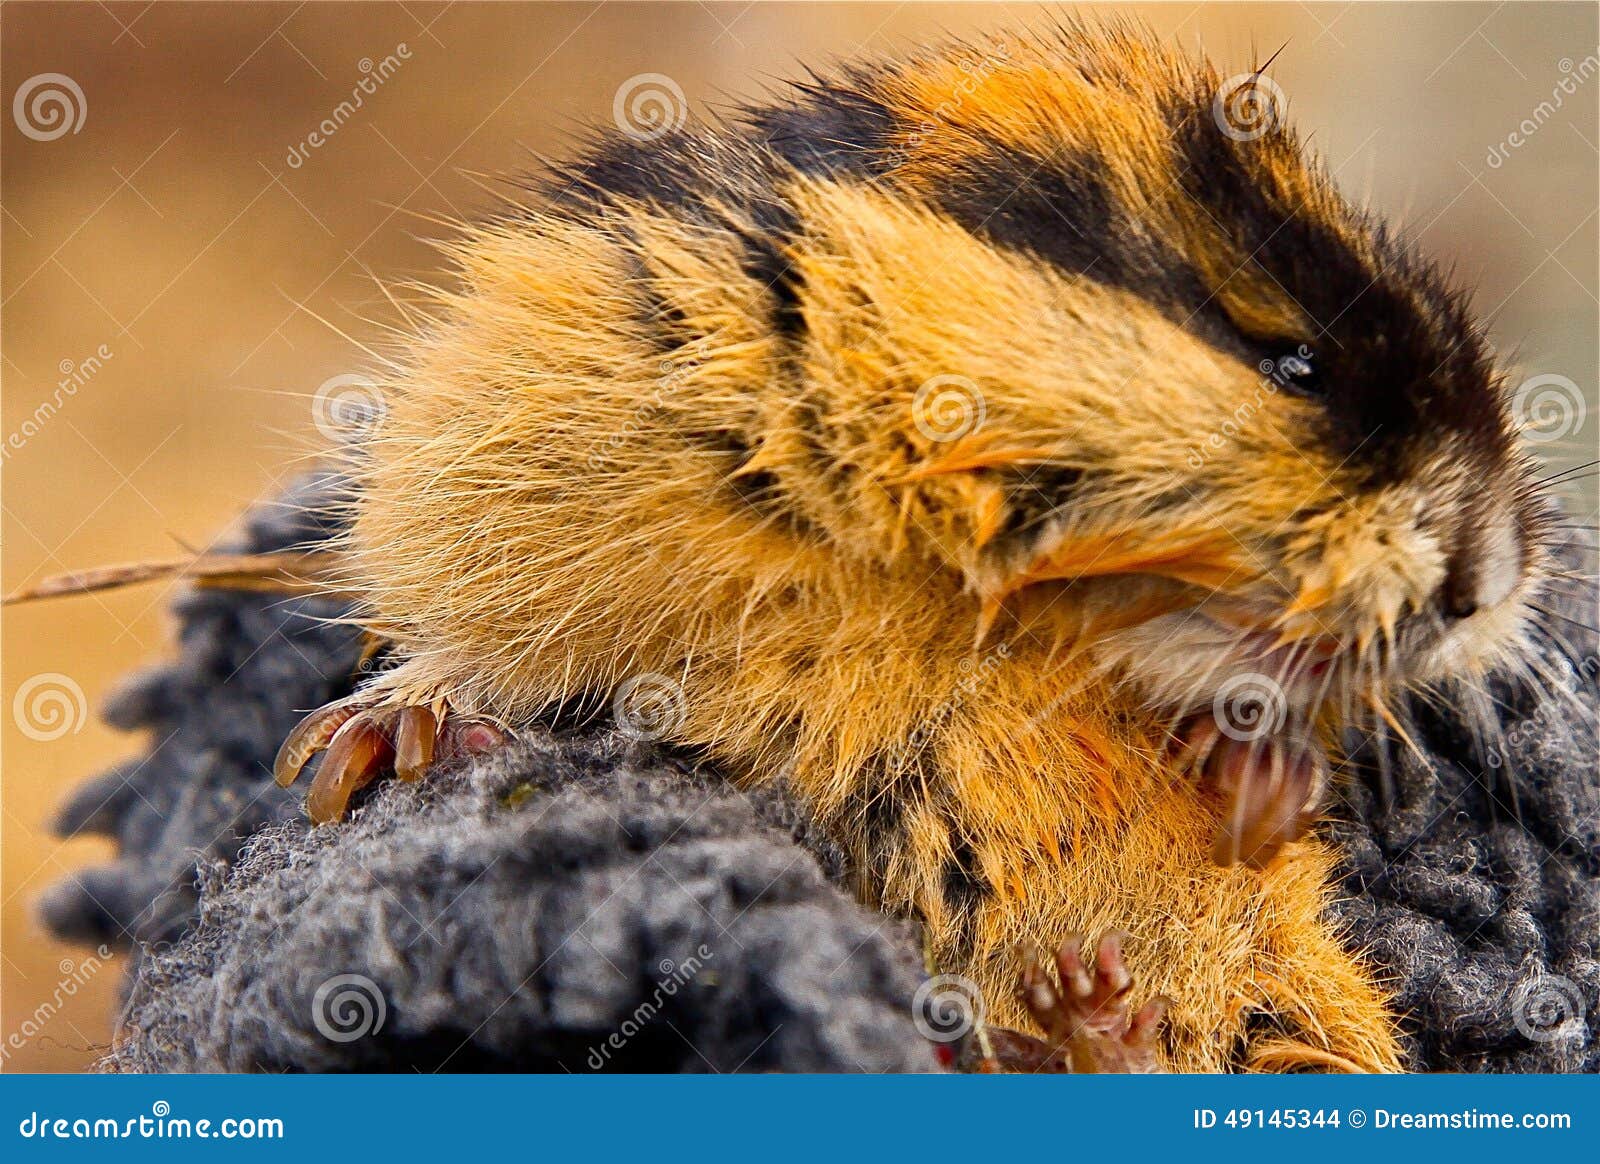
[(366, 736), (1085, 1016)]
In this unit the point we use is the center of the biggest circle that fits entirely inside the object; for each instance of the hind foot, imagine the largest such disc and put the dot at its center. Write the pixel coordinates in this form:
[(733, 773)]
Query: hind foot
[(364, 739), (1085, 1017)]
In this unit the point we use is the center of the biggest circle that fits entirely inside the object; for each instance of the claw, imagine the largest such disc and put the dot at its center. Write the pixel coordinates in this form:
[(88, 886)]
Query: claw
[(365, 736), (1107, 993), (413, 745), (357, 753), (309, 737), (476, 736), (1271, 790), (1037, 992), (1271, 787), (1069, 966), (1147, 1021)]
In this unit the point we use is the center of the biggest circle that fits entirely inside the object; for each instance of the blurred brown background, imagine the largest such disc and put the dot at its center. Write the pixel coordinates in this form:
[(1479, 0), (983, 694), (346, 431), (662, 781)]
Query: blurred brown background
[(172, 267)]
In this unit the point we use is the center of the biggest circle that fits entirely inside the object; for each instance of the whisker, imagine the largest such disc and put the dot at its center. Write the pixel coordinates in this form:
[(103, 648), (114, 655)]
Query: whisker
[(1546, 611), (1560, 474)]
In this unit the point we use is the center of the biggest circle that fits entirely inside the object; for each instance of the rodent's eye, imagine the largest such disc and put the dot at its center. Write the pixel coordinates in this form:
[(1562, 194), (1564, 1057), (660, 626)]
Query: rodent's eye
[(1297, 370)]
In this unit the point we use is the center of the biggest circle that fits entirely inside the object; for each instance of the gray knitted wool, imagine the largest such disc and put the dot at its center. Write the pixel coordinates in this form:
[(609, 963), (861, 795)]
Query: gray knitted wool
[(581, 901)]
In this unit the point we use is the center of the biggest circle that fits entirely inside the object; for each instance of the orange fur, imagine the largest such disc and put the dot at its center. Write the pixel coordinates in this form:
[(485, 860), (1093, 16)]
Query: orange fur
[(514, 576), (554, 505)]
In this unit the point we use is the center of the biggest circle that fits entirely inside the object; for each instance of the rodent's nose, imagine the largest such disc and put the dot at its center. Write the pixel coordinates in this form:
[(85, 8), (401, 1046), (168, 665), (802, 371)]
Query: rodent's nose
[(1459, 595), (1482, 571)]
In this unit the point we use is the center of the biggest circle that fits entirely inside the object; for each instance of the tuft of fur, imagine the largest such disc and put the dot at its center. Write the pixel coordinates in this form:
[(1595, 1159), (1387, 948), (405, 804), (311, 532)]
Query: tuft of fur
[(877, 426)]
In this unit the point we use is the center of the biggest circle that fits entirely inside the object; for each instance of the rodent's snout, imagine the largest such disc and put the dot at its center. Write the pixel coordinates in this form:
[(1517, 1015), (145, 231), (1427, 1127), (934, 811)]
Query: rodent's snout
[(1483, 567)]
